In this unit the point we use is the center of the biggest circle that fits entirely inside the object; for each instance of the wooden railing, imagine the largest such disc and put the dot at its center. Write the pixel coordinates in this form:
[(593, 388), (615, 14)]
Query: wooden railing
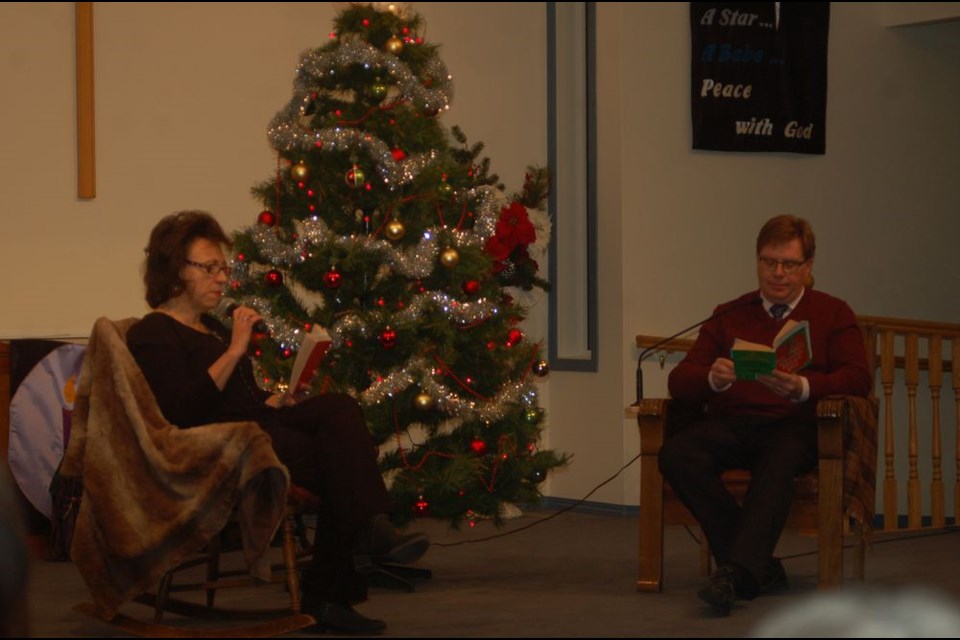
[(909, 358)]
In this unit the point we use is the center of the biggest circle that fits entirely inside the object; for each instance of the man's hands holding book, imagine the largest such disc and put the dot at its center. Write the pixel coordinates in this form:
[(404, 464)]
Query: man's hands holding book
[(786, 385), (722, 374)]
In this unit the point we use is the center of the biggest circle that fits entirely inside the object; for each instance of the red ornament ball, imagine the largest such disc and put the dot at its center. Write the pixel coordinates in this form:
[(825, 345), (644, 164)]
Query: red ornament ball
[(478, 446), (388, 338), (273, 278), (267, 218), (333, 279), (398, 154), (421, 507), (514, 337), (471, 287), (354, 177)]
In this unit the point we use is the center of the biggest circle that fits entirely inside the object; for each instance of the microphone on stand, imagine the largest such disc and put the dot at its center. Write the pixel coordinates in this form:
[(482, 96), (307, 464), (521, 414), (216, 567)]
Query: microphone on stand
[(660, 343)]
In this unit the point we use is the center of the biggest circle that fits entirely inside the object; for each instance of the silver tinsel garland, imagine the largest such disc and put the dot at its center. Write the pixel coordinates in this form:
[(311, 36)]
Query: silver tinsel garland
[(288, 133), (415, 262), (421, 372)]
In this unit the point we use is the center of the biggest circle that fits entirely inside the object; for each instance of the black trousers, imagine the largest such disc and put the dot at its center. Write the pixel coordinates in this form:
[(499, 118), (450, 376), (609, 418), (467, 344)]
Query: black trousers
[(325, 444), (774, 451)]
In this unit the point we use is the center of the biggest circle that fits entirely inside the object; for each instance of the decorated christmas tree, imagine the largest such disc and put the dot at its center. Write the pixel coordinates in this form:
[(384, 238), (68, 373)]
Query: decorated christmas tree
[(389, 232)]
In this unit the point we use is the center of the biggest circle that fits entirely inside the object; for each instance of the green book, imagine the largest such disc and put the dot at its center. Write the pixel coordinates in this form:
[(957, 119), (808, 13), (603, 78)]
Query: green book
[(790, 352)]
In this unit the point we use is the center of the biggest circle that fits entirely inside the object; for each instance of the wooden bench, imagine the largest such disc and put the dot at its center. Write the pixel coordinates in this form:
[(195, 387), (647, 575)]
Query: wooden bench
[(905, 353)]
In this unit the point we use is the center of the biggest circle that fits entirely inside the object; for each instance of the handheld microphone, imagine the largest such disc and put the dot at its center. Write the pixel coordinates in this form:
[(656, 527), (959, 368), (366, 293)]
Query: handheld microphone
[(258, 327), (660, 343)]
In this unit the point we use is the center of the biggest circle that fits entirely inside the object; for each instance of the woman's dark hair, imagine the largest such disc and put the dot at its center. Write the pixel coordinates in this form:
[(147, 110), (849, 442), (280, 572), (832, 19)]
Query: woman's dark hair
[(167, 251)]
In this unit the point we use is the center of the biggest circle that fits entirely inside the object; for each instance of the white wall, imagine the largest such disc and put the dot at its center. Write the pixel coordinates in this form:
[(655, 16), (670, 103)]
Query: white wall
[(185, 92), (677, 226)]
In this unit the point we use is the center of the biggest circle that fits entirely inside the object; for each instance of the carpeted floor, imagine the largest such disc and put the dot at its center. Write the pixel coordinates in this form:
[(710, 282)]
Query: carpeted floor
[(569, 576)]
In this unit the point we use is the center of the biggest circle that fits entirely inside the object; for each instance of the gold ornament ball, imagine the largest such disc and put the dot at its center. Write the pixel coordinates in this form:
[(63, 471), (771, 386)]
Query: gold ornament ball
[(449, 257), (423, 402), (394, 230), (377, 91), (300, 172), (394, 45), (541, 368)]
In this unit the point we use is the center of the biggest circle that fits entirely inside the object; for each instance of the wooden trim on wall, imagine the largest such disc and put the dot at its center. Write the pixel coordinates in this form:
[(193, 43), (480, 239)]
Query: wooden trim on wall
[(86, 141)]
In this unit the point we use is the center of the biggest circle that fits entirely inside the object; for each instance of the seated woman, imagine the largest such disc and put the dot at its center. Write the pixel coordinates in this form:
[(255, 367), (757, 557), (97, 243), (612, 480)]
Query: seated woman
[(201, 374)]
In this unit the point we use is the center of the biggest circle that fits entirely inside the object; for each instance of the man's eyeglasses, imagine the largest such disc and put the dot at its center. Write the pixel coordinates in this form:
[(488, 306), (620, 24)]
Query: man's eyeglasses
[(212, 268), (789, 266)]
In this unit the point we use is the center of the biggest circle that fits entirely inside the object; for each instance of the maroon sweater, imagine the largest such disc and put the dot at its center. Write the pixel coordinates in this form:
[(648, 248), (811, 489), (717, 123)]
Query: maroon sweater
[(839, 359)]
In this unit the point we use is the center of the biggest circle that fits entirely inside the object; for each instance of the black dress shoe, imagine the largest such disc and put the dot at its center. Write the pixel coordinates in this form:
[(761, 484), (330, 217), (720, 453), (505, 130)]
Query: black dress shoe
[(719, 592), (775, 578), (341, 618)]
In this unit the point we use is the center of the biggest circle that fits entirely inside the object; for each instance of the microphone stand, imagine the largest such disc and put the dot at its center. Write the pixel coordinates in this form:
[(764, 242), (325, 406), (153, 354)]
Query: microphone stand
[(660, 343), (654, 347)]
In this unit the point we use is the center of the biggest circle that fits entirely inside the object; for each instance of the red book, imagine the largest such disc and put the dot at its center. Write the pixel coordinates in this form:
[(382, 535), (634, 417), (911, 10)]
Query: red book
[(312, 350)]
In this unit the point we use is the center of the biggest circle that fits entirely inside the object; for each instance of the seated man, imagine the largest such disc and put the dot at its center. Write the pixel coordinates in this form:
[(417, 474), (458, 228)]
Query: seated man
[(767, 426)]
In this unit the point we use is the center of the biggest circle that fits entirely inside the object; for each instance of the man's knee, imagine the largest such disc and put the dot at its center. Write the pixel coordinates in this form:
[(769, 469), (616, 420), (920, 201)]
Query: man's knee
[(671, 459)]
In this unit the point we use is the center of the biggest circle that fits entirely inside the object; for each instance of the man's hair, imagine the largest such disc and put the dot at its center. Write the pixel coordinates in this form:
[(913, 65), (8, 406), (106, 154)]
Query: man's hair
[(167, 251), (785, 228)]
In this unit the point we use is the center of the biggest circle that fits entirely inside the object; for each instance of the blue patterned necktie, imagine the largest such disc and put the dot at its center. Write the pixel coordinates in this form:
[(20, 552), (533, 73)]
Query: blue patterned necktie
[(779, 310)]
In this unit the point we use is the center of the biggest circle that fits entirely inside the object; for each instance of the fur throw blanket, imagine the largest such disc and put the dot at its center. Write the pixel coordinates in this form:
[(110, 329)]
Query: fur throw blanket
[(154, 494)]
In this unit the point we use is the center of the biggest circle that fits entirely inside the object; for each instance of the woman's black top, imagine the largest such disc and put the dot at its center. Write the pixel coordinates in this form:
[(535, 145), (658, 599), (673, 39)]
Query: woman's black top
[(175, 358)]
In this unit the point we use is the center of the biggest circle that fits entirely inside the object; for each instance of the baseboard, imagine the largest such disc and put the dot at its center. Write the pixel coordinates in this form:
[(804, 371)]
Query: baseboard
[(926, 522), (629, 511)]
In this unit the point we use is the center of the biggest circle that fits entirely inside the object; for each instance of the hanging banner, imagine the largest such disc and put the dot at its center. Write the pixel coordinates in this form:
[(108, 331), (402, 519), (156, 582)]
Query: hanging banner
[(759, 76)]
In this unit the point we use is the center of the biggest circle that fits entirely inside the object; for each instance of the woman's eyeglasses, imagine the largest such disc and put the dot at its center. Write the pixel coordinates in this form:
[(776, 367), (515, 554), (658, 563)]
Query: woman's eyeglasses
[(212, 268)]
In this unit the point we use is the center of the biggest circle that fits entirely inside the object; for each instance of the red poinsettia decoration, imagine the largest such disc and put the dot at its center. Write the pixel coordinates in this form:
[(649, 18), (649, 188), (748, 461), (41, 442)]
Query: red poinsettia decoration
[(509, 248)]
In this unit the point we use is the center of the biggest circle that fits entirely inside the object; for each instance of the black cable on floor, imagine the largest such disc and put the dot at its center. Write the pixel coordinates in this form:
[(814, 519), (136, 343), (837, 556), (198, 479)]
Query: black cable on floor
[(544, 519)]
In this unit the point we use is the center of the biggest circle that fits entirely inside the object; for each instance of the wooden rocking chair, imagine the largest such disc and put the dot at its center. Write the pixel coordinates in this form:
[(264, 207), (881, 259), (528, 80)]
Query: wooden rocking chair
[(251, 623), (156, 499)]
